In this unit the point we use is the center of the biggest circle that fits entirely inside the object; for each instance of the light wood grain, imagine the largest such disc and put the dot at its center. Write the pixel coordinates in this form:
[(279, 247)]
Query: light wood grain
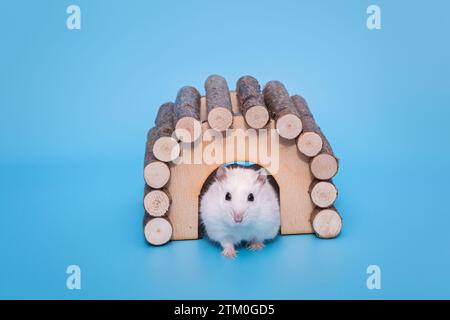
[(158, 231), (327, 223)]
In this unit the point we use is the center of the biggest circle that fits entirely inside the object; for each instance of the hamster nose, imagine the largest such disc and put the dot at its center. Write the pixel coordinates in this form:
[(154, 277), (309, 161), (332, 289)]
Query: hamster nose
[(238, 217)]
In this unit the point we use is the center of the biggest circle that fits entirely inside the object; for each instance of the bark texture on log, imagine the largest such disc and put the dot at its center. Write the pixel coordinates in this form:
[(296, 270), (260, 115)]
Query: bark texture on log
[(325, 165), (187, 103), (326, 148), (187, 114), (218, 103), (277, 99), (156, 201), (217, 93), (166, 147), (310, 140), (156, 173), (149, 157), (326, 223), (251, 102), (165, 120), (157, 231), (300, 104), (323, 193)]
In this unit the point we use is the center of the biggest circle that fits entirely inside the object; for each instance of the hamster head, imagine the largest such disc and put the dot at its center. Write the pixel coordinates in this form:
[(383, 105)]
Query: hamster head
[(239, 193)]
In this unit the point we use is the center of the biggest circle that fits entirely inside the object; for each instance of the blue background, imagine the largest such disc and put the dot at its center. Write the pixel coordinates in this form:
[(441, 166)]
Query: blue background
[(76, 106)]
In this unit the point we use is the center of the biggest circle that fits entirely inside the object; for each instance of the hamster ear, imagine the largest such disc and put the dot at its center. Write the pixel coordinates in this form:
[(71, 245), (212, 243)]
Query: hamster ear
[(262, 176), (221, 173)]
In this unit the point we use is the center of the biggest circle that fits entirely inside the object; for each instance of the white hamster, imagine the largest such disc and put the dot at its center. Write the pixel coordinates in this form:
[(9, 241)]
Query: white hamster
[(240, 205)]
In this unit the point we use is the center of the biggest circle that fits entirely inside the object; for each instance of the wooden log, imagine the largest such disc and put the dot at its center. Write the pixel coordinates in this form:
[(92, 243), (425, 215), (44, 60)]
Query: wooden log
[(156, 201), (310, 140), (218, 103), (165, 148), (157, 231), (323, 193), (287, 120), (251, 102), (325, 165), (326, 223), (156, 173), (187, 114)]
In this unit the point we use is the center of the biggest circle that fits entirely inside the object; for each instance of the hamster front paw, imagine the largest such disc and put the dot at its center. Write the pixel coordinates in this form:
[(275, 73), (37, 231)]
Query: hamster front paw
[(229, 251), (254, 246)]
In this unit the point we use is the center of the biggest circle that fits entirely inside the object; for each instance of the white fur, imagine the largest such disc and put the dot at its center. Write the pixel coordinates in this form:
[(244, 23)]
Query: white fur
[(261, 220)]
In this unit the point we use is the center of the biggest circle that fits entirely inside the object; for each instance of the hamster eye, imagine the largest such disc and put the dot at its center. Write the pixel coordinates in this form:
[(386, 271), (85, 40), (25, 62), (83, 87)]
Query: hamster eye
[(228, 196), (251, 197)]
